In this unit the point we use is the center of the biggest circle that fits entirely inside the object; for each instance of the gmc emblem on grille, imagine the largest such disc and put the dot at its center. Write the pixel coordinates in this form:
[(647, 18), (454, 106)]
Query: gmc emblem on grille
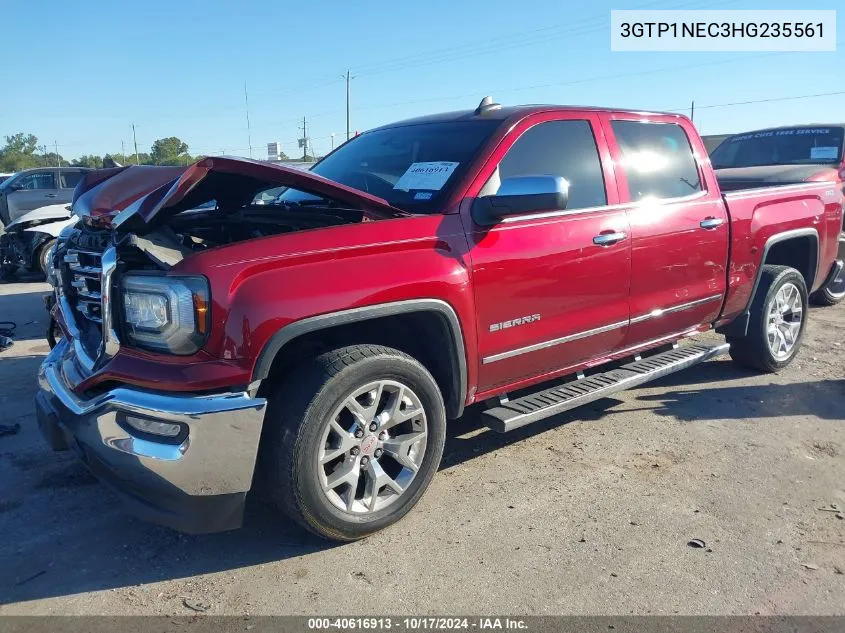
[(531, 318)]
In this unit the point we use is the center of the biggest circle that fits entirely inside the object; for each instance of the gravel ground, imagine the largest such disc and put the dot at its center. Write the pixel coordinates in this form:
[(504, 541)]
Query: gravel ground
[(587, 513)]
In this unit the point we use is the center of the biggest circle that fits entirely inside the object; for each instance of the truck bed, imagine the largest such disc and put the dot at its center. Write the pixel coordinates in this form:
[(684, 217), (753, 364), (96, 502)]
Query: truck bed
[(761, 215), (737, 179)]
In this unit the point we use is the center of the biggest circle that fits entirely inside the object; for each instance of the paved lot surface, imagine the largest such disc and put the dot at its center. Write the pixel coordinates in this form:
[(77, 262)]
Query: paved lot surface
[(589, 513)]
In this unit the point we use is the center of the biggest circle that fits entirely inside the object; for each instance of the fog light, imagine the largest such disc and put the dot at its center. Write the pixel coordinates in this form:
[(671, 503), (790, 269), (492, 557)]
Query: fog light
[(153, 427)]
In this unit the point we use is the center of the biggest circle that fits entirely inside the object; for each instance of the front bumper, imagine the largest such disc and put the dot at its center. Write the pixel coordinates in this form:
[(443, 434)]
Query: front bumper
[(196, 484)]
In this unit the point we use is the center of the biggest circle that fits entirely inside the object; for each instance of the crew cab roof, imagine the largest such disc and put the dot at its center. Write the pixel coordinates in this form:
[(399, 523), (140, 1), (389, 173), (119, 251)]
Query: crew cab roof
[(504, 113)]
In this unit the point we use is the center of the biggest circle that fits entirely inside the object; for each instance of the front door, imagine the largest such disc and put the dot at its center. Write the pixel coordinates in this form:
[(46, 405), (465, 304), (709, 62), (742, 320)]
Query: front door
[(32, 190), (679, 229), (551, 287)]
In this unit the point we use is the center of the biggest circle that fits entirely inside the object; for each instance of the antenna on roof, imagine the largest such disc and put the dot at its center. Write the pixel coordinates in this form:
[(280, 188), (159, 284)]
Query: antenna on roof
[(486, 105)]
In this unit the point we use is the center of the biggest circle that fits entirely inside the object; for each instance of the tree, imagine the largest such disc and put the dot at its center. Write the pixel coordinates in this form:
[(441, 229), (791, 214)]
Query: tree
[(92, 161), (169, 151), (51, 159), (20, 152), (21, 143)]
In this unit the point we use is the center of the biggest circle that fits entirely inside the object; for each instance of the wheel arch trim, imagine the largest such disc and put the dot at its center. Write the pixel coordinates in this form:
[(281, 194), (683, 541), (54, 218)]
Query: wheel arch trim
[(739, 326), (292, 331)]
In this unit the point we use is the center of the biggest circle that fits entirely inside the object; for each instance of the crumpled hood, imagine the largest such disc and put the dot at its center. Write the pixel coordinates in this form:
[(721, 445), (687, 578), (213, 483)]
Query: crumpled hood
[(50, 213), (103, 193), (148, 194), (748, 177)]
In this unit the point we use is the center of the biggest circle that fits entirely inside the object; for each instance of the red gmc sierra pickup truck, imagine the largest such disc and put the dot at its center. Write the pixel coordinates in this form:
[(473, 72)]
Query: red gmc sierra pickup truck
[(531, 258)]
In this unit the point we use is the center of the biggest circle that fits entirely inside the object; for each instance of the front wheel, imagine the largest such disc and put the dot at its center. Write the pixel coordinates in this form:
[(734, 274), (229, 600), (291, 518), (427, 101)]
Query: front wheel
[(44, 257), (778, 320), (352, 440)]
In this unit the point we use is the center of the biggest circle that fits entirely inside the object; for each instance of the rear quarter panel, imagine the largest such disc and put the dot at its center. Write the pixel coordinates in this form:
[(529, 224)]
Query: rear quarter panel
[(760, 214)]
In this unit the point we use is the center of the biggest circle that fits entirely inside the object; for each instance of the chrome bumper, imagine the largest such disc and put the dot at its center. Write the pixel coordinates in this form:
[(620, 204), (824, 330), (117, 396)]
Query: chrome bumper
[(197, 483)]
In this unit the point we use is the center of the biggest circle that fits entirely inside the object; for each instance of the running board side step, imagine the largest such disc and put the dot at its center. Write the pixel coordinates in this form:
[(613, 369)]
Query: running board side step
[(543, 404)]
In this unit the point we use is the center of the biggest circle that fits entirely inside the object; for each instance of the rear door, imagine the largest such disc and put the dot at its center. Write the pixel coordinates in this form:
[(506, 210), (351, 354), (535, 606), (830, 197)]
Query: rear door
[(32, 190), (679, 225), (67, 182), (551, 287)]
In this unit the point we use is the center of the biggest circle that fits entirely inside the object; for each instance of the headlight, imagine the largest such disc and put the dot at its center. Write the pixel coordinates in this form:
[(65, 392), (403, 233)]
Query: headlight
[(166, 314)]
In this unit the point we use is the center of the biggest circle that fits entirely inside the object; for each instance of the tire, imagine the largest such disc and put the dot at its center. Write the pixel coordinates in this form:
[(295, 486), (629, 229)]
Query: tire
[(54, 333), (43, 252), (755, 350), (834, 291), (298, 436), (825, 297), (7, 272)]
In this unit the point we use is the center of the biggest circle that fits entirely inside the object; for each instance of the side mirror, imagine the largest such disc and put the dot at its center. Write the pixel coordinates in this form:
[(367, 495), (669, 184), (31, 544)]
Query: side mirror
[(15, 186), (519, 195)]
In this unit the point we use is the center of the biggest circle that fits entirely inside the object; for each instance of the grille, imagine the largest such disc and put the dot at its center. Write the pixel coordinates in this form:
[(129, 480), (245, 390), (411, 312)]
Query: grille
[(80, 274), (84, 278)]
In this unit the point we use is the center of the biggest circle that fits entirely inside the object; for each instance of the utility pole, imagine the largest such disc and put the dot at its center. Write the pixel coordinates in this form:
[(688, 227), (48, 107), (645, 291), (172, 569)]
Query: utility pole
[(248, 130), (304, 140), (56, 145), (332, 141), (692, 111), (135, 140), (348, 78), (122, 153)]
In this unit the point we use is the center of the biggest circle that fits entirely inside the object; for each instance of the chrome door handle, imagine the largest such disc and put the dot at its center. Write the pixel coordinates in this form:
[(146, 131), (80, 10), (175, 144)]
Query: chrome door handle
[(51, 195), (711, 223), (608, 239)]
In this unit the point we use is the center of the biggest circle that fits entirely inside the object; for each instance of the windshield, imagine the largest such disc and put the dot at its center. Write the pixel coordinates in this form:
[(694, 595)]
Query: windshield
[(6, 179), (410, 166), (788, 146)]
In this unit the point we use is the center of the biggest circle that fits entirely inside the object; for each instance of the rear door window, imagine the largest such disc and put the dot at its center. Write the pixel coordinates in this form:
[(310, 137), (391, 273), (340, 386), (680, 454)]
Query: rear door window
[(658, 159), (560, 148), (69, 179)]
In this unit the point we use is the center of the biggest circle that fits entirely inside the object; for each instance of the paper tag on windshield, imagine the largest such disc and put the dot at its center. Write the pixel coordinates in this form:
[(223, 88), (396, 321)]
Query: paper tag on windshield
[(824, 153), (427, 176)]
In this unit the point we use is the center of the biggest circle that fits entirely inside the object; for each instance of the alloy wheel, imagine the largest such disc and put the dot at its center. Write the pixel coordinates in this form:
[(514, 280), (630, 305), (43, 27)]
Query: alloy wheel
[(784, 321), (372, 447)]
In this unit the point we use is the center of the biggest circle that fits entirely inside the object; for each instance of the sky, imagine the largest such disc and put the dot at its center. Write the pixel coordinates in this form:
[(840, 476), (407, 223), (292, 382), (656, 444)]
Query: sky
[(79, 74)]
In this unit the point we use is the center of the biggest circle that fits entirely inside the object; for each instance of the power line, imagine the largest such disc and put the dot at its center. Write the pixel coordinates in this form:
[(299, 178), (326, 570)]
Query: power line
[(771, 100), (682, 109), (573, 82), (508, 42)]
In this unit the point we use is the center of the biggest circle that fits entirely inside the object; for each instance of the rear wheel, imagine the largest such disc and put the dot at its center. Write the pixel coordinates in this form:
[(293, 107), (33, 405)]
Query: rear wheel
[(778, 319), (833, 291), (353, 438)]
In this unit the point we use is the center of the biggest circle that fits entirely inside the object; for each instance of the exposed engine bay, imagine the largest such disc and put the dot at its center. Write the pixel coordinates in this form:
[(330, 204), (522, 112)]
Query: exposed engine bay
[(201, 229), (168, 213)]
